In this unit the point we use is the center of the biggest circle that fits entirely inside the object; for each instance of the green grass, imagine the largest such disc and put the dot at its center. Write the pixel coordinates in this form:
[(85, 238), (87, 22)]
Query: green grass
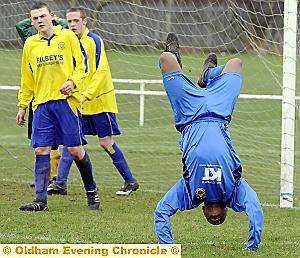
[(130, 220), (153, 154)]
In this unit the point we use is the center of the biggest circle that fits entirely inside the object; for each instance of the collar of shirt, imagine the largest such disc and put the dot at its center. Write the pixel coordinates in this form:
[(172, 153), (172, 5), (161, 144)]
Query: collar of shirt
[(57, 30), (86, 31)]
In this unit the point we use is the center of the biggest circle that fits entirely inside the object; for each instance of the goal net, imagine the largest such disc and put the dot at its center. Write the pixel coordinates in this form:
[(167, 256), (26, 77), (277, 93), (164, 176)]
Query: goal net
[(134, 33)]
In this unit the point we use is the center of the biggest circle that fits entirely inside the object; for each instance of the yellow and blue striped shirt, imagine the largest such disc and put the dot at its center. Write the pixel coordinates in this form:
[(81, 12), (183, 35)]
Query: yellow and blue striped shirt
[(47, 64), (98, 86)]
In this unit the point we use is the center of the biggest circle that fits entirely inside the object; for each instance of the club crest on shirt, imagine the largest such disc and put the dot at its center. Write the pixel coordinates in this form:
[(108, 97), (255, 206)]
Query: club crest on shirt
[(61, 45), (200, 193)]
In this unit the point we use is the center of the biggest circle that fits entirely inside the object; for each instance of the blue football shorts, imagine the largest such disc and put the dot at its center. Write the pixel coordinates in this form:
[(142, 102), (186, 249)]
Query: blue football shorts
[(54, 123), (102, 124)]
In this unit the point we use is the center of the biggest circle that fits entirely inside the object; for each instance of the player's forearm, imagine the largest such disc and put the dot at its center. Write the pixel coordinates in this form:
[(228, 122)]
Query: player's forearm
[(256, 223), (77, 77), (100, 82), (163, 227), (175, 199), (256, 220), (162, 214), (245, 199), (25, 94), (96, 86), (23, 29), (24, 99)]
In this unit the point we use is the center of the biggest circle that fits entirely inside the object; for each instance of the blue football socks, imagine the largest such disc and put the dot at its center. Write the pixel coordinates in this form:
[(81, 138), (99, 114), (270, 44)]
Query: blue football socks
[(86, 172), (64, 167), (41, 176), (120, 163)]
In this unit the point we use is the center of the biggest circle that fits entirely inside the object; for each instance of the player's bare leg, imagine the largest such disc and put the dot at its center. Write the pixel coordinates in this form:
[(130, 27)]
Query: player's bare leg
[(233, 65), (168, 63), (170, 60)]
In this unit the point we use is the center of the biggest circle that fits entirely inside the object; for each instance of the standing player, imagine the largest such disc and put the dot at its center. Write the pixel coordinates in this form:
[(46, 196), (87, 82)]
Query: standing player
[(99, 114), (212, 169), (24, 30), (52, 71)]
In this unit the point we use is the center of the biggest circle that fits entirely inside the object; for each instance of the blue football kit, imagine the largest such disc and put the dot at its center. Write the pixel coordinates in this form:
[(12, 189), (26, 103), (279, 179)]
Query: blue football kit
[(212, 168)]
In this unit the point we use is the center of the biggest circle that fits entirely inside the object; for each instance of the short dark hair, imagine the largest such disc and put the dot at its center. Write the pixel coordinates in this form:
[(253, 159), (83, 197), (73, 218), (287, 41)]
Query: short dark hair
[(222, 204), (78, 9), (39, 5)]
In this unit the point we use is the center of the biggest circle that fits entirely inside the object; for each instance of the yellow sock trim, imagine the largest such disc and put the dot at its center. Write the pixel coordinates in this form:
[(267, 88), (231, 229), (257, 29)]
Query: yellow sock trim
[(111, 150), (55, 155), (54, 160)]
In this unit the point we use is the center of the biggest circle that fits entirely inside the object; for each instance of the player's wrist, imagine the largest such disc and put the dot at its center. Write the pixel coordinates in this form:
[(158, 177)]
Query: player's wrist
[(86, 96), (21, 107)]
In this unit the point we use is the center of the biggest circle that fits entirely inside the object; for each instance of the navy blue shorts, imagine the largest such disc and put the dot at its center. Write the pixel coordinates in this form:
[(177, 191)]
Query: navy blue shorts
[(102, 124), (54, 123)]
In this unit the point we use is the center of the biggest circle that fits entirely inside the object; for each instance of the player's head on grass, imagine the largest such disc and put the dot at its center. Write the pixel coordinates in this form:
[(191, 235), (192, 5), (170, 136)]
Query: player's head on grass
[(77, 20), (41, 19), (215, 212)]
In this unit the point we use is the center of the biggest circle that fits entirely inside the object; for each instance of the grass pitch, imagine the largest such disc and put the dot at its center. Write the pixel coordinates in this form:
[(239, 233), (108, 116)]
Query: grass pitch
[(154, 158)]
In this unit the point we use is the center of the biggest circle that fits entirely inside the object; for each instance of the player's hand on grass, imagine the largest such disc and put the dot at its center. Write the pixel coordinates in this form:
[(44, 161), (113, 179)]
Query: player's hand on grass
[(20, 119), (248, 249), (67, 88)]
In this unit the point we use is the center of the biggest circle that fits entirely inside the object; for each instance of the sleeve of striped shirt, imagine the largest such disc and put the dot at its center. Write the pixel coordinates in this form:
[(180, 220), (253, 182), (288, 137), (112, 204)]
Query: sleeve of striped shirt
[(95, 88), (27, 82), (79, 70)]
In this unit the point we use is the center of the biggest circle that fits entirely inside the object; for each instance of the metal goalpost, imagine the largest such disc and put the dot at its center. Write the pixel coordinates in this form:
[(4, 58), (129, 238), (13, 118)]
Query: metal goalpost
[(288, 103)]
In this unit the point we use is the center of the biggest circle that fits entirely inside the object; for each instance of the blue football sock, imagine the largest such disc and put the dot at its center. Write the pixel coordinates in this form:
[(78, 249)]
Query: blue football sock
[(41, 176), (120, 163), (213, 72), (64, 167), (86, 172)]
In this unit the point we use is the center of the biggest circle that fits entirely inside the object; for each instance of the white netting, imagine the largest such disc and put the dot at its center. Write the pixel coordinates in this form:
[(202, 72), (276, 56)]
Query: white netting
[(134, 34)]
